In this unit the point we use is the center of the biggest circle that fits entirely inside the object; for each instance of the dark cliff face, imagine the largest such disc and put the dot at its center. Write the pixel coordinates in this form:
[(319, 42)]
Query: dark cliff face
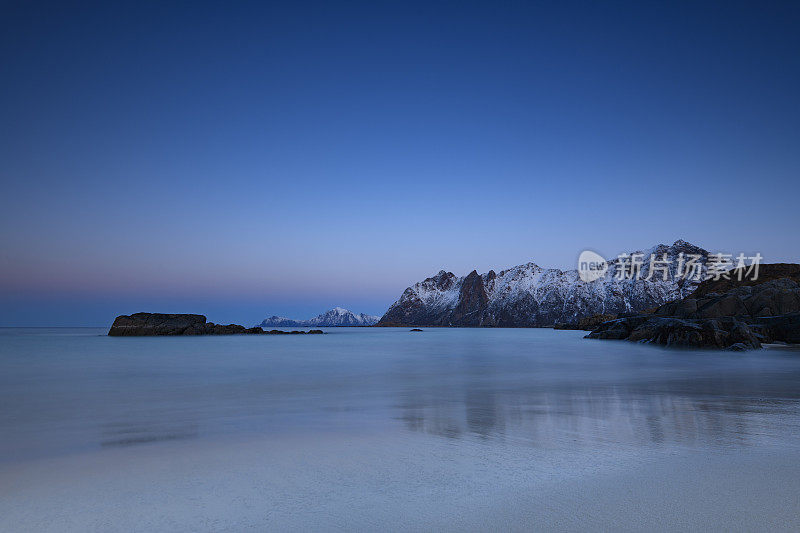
[(530, 296), (472, 301)]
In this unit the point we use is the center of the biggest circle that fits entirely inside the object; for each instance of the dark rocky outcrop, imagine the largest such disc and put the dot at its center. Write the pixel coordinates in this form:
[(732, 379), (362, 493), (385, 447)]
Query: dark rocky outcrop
[(766, 273), (149, 324), (775, 297), (744, 315), (784, 328), (140, 324), (587, 323), (707, 333)]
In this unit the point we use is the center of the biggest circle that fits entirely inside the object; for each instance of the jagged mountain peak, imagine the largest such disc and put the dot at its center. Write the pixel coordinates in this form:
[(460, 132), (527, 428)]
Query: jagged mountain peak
[(529, 295), (680, 243), (679, 246)]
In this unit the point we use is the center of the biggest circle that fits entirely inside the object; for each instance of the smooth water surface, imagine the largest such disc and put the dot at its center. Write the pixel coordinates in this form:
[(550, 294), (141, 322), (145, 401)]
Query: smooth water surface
[(366, 428)]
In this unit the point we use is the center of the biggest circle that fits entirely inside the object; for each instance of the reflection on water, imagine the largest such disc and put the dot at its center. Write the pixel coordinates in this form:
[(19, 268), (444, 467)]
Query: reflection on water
[(575, 392), (130, 434), (591, 417), (541, 388)]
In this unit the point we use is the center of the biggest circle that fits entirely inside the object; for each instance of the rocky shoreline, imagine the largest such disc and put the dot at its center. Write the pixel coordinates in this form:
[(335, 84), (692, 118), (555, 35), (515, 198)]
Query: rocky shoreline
[(158, 324), (721, 314)]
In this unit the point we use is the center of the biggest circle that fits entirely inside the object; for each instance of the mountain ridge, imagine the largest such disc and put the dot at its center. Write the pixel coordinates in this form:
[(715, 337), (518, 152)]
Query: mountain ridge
[(336, 317), (528, 295)]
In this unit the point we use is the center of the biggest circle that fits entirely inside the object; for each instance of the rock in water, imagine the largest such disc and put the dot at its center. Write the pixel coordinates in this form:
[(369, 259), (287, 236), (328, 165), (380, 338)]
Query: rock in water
[(139, 324), (675, 332), (146, 324)]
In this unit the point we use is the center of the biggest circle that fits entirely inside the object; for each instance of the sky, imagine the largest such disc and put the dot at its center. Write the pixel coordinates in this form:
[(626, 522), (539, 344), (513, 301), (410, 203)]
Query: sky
[(241, 160)]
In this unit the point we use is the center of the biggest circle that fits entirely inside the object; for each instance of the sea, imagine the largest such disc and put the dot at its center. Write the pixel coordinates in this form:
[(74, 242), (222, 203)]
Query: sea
[(384, 429)]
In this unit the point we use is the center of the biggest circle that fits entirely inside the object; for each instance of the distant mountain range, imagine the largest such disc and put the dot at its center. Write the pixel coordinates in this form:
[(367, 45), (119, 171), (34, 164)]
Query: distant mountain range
[(529, 295), (336, 317)]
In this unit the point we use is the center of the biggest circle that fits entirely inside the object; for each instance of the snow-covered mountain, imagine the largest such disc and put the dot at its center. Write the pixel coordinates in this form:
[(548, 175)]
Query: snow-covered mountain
[(529, 295), (280, 322), (333, 318)]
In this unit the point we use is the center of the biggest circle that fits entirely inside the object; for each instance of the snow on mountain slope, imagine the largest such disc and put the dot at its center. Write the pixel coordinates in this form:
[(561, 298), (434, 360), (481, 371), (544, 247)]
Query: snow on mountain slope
[(333, 318), (279, 322), (342, 317), (528, 295)]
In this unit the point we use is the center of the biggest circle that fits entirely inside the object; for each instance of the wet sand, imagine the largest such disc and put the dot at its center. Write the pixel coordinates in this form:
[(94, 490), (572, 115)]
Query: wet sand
[(370, 481)]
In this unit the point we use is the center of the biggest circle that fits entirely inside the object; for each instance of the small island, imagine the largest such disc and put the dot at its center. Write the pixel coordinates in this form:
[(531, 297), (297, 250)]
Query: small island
[(158, 324)]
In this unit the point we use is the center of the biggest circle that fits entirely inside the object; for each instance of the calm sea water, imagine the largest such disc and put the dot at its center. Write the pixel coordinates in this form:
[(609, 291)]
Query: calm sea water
[(365, 428)]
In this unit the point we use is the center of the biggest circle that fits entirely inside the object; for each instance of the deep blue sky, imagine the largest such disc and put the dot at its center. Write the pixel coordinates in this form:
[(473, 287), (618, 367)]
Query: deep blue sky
[(255, 159)]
